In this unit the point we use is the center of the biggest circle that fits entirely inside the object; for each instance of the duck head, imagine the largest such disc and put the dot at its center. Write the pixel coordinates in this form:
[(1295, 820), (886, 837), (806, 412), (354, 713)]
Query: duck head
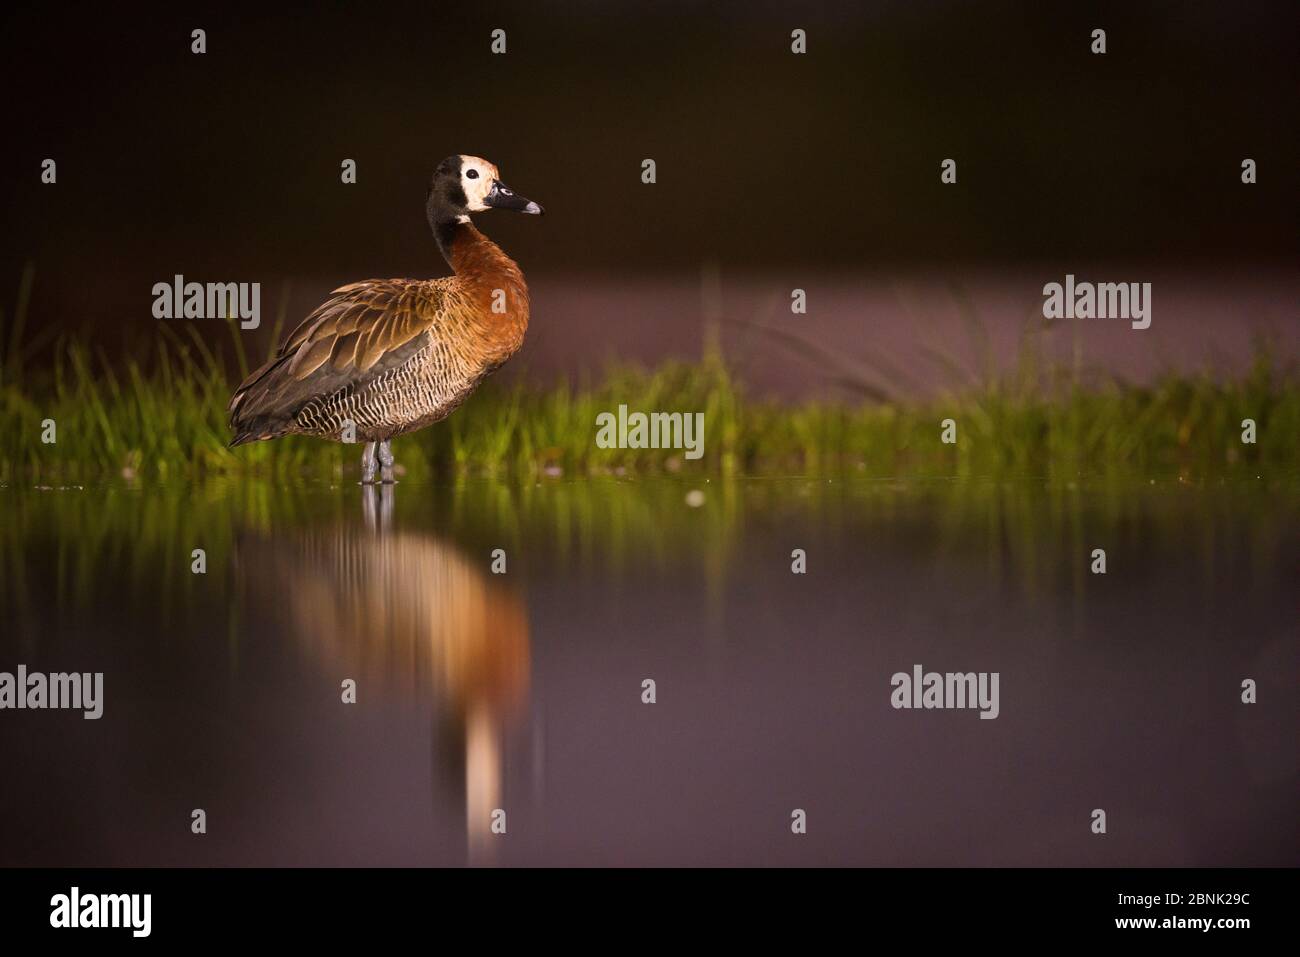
[(465, 184)]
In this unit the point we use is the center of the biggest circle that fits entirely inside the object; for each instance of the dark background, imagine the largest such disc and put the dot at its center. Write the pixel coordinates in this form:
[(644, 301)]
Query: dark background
[(230, 160), (225, 166)]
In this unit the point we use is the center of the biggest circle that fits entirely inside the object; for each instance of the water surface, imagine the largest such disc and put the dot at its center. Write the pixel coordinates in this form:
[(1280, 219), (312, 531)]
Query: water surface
[(522, 692)]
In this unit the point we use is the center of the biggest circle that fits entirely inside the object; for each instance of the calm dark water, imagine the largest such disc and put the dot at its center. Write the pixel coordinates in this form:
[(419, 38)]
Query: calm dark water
[(523, 691)]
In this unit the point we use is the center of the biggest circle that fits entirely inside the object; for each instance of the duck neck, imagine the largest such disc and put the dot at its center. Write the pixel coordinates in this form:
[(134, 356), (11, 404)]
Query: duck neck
[(445, 224), (493, 280)]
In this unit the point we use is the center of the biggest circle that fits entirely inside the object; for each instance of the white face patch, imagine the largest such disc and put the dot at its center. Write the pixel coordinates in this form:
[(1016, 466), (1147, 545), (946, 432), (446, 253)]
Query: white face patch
[(476, 177)]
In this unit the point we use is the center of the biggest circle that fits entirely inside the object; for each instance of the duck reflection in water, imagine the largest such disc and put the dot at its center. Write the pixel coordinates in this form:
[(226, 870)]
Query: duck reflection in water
[(405, 610)]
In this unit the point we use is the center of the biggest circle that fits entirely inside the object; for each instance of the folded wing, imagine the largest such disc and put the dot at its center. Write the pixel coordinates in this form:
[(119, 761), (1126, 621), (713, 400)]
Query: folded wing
[(363, 332)]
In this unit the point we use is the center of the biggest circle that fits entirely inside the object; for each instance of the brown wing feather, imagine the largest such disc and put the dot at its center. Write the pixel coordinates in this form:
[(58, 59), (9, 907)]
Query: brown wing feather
[(346, 340), (361, 322)]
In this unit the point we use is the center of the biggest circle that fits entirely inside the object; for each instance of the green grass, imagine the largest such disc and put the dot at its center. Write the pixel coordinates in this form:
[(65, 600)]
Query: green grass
[(161, 415)]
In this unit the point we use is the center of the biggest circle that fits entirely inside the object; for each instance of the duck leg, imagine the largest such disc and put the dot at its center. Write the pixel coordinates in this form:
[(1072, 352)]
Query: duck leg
[(386, 461), (368, 464)]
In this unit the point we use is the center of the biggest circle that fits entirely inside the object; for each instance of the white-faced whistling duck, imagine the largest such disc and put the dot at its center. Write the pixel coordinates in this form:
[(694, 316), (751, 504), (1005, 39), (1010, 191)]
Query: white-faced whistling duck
[(389, 356)]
